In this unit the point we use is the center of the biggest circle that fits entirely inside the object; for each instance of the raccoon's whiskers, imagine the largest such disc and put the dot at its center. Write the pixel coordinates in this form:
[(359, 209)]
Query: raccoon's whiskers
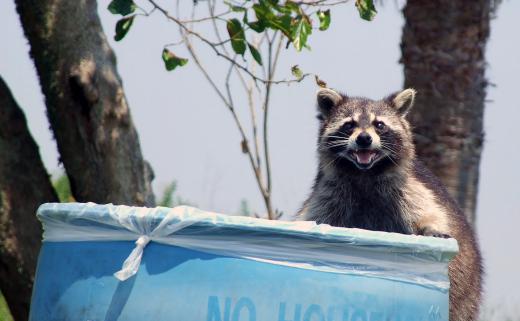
[(389, 147), (392, 160), (329, 145), (388, 143), (332, 136), (336, 143), (330, 163), (391, 150)]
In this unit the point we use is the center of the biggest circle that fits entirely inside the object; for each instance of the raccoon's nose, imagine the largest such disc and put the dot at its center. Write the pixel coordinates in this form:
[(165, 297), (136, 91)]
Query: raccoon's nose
[(364, 140)]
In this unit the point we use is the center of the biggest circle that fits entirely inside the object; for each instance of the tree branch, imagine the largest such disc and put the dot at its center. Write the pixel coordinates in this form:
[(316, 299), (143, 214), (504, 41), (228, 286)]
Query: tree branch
[(214, 46), (24, 185), (229, 104)]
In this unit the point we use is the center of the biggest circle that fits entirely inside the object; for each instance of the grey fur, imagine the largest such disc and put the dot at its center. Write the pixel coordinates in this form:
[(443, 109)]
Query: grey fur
[(394, 193)]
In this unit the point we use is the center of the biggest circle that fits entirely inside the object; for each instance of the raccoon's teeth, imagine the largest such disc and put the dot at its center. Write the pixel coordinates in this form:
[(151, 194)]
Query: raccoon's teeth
[(364, 156)]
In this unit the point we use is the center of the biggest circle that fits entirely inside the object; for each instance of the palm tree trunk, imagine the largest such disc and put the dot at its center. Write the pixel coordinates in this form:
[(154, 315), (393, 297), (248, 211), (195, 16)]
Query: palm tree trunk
[(86, 105), (443, 47)]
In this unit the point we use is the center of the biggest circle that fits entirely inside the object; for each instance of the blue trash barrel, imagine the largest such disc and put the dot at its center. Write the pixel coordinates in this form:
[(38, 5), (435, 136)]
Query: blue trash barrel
[(192, 265)]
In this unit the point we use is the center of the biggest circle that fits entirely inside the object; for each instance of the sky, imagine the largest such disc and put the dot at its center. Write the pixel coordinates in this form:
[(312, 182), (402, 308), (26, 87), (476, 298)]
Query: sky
[(187, 134)]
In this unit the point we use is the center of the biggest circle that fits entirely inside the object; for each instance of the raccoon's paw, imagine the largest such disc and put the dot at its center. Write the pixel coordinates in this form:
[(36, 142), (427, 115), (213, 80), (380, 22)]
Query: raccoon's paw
[(427, 231)]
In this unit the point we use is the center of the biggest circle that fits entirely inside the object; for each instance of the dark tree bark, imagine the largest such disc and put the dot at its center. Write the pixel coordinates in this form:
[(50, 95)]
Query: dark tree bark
[(24, 185), (86, 105), (443, 46)]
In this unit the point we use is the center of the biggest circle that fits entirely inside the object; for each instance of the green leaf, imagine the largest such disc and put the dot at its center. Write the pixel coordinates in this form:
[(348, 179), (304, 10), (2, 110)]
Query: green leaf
[(283, 24), (172, 61), (62, 187), (296, 71), (301, 30), (366, 9), (122, 7), (122, 27), (324, 17), (291, 6), (167, 199), (266, 16), (255, 53), (287, 7), (258, 26), (263, 12), (236, 33), (5, 314), (268, 19), (235, 8)]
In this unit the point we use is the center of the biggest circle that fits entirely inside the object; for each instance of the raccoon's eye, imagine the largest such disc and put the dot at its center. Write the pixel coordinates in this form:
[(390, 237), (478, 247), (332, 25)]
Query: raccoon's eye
[(348, 125), (379, 125)]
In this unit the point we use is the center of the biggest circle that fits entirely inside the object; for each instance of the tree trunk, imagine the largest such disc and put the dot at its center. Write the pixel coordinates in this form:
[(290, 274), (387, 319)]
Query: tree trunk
[(443, 46), (86, 105), (24, 185)]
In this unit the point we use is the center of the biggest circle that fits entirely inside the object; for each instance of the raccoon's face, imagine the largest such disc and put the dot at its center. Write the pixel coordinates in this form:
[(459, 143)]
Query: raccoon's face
[(364, 133)]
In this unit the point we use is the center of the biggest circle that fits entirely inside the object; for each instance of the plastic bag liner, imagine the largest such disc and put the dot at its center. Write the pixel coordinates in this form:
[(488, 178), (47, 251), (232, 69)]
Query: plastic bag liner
[(301, 244)]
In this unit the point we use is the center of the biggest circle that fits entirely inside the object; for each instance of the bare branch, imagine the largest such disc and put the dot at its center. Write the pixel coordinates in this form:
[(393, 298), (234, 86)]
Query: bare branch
[(252, 111), (275, 40), (202, 69), (212, 17), (321, 3), (214, 46), (230, 106), (211, 8), (173, 44)]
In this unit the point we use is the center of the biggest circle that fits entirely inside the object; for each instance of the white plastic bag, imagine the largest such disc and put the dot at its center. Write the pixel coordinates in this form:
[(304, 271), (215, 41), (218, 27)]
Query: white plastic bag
[(299, 244)]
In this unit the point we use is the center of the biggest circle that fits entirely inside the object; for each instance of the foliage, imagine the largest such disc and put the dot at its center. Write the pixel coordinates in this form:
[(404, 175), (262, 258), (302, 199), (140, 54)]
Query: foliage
[(62, 187), (366, 9), (122, 7), (5, 314), (171, 61), (122, 27), (248, 36), (244, 208), (294, 19), (237, 36), (324, 17), (296, 71), (170, 199)]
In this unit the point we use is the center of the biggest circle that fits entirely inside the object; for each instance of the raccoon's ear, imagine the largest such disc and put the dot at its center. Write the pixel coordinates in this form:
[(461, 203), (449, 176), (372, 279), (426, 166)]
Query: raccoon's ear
[(402, 101), (327, 99)]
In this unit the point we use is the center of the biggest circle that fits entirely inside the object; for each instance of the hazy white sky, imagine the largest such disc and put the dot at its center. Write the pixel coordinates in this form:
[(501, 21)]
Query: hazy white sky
[(188, 135)]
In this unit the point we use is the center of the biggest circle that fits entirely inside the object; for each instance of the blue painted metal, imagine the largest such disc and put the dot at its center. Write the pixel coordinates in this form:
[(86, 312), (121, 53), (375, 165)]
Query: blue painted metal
[(75, 281)]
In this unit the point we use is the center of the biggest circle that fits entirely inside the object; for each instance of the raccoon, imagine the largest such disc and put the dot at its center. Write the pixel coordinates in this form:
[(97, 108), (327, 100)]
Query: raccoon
[(369, 177)]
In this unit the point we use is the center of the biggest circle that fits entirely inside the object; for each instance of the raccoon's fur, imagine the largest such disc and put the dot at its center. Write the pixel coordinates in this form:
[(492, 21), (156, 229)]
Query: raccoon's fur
[(369, 177)]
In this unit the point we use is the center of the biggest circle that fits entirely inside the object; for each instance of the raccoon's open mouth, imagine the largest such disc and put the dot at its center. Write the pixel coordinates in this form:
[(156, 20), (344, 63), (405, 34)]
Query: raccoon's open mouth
[(364, 158)]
